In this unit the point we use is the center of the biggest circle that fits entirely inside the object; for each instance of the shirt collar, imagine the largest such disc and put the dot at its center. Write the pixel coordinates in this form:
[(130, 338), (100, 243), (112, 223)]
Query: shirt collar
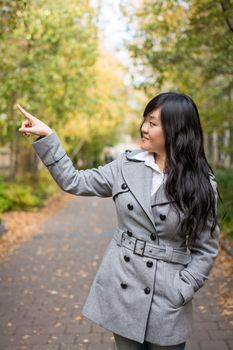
[(148, 158)]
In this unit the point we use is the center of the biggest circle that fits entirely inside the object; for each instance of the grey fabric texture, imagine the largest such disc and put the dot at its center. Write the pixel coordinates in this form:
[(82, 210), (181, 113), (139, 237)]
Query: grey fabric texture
[(138, 297)]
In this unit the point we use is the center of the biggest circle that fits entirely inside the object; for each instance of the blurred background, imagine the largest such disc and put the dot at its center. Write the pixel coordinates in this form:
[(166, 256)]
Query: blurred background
[(88, 68)]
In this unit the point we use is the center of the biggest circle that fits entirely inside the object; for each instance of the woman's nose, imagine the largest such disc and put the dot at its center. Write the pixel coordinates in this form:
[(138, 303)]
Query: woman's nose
[(144, 129)]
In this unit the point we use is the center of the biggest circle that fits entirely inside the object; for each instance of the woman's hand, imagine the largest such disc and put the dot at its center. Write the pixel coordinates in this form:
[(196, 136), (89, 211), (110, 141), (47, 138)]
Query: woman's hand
[(32, 125)]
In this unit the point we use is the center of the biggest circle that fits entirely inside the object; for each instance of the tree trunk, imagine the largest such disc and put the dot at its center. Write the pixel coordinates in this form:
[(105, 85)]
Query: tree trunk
[(14, 143)]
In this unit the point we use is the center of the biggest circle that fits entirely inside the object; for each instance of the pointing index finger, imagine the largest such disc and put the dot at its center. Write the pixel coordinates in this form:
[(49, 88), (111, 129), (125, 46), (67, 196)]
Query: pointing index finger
[(28, 115)]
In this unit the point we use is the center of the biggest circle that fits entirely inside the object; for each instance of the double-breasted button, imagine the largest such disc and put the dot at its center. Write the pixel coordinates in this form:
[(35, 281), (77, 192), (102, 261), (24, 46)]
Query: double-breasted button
[(126, 258), (124, 285), (129, 233), (124, 186), (149, 263), (147, 290), (153, 236), (130, 206), (162, 217)]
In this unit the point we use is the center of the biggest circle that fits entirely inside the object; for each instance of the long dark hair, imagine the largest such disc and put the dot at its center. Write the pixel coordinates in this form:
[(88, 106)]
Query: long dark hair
[(188, 172)]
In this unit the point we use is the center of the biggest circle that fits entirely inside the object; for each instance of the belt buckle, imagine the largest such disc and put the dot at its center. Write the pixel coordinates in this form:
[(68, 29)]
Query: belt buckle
[(143, 249)]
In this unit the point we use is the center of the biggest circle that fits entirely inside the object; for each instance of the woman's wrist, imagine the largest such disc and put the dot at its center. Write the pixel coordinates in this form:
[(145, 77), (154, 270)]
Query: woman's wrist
[(48, 132)]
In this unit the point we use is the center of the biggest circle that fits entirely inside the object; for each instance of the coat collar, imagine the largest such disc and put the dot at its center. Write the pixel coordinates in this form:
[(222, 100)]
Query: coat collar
[(148, 158), (138, 177)]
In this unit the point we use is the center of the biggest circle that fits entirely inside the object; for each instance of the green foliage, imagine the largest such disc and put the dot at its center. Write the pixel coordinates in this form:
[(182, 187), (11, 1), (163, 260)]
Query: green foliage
[(51, 63), (9, 14), (186, 46), (46, 61), (225, 187), (24, 194), (17, 196)]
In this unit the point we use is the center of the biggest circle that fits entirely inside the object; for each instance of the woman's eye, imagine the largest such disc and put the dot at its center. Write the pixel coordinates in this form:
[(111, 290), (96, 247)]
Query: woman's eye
[(152, 124)]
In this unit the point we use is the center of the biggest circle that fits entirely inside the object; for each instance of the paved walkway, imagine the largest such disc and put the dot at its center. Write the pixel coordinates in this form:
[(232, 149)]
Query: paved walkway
[(45, 281)]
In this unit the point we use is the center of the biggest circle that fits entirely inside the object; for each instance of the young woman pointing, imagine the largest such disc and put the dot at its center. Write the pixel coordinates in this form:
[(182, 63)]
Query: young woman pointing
[(167, 237)]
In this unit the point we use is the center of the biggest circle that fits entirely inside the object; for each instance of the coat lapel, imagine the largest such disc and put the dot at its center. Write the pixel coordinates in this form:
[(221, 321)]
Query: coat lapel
[(138, 177)]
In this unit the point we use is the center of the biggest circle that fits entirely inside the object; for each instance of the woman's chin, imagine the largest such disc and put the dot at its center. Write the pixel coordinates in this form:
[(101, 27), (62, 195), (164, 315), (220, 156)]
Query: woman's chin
[(145, 146), (142, 146)]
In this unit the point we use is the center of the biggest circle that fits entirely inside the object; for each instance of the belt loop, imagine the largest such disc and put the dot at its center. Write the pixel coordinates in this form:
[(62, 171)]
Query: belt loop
[(119, 237), (168, 254)]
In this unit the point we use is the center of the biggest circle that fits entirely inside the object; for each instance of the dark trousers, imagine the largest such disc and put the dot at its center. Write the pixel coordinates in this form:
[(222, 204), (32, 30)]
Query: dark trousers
[(128, 344)]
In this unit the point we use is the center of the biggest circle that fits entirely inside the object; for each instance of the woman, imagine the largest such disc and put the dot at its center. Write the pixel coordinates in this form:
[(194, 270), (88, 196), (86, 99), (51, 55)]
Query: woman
[(167, 237)]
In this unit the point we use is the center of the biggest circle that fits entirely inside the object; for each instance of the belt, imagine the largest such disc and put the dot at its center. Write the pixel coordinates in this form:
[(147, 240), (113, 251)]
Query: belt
[(144, 248)]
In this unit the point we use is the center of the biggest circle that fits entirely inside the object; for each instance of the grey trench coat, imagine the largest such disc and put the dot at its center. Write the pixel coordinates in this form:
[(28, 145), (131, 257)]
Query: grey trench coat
[(142, 291)]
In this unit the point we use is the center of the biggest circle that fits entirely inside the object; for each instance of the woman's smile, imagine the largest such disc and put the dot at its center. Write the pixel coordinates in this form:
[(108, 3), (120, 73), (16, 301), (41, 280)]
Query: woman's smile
[(145, 139)]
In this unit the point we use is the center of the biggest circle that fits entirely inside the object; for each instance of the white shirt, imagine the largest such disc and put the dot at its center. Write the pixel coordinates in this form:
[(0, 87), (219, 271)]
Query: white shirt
[(158, 176)]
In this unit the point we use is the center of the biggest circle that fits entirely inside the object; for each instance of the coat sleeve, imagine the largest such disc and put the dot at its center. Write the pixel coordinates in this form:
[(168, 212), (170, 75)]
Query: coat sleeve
[(90, 182), (204, 251)]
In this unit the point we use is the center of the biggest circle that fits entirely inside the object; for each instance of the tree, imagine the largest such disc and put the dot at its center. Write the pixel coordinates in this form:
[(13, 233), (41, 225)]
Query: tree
[(187, 46), (48, 64)]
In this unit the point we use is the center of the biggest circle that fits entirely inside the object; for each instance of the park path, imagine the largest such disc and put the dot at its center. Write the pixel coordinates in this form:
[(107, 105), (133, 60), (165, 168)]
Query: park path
[(45, 281)]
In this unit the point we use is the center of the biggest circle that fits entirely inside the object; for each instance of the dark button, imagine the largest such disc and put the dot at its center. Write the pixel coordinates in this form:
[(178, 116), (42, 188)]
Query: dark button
[(127, 258), (149, 263), (153, 236), (124, 186), (129, 233), (162, 217), (130, 206), (147, 290), (123, 285)]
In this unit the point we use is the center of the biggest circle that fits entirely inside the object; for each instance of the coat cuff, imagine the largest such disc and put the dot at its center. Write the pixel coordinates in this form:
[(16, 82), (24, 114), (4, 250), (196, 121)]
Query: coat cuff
[(49, 148)]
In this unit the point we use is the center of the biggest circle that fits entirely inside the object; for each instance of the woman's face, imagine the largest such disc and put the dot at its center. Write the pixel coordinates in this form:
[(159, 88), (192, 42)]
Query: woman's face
[(152, 139)]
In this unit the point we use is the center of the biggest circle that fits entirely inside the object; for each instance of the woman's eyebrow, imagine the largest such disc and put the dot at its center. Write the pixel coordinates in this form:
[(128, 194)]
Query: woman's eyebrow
[(153, 117)]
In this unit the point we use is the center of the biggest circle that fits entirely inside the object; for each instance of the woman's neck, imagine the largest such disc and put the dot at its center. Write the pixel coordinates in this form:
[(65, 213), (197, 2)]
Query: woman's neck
[(160, 161)]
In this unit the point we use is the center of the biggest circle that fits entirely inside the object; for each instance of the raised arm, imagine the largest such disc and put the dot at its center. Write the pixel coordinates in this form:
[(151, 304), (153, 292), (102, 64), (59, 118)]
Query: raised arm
[(90, 182)]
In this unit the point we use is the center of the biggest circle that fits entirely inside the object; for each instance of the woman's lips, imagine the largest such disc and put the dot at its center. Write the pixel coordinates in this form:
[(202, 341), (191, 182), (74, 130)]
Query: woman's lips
[(145, 138)]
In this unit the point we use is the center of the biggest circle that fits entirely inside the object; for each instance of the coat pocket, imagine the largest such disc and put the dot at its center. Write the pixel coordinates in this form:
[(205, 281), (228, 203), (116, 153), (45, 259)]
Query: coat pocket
[(182, 292), (173, 292)]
